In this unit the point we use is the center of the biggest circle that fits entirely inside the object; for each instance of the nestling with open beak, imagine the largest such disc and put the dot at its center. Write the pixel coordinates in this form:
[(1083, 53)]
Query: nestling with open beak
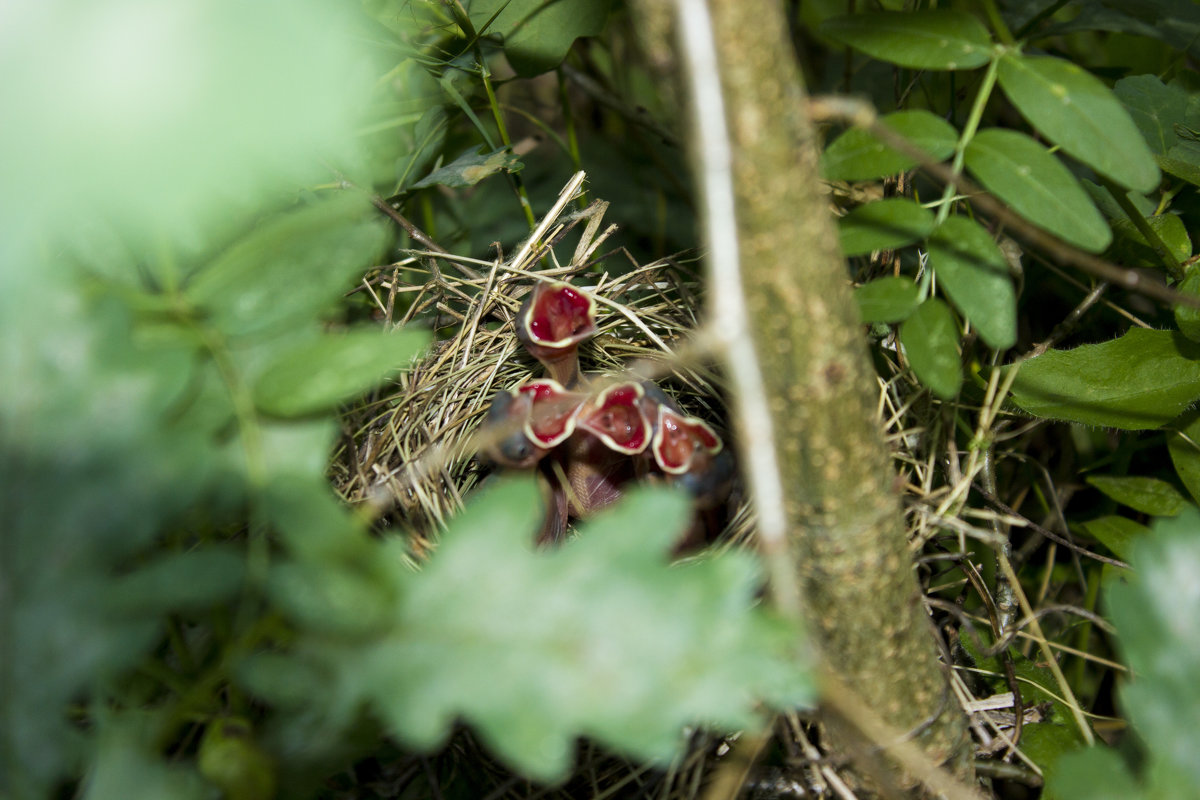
[(553, 320), (589, 444)]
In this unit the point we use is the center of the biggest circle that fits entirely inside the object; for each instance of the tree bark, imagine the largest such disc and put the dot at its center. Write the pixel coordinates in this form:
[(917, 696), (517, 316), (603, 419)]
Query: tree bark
[(842, 519)]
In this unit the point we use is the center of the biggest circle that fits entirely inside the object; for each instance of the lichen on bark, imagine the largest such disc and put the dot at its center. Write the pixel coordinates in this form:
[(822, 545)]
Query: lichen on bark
[(844, 519)]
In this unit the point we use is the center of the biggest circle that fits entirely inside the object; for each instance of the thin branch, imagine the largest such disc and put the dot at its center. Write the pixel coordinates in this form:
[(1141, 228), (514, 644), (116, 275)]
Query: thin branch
[(862, 114)]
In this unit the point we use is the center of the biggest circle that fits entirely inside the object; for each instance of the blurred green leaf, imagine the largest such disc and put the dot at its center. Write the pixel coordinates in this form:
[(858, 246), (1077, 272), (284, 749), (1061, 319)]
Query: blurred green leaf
[(1183, 444), (191, 581), (317, 375), (537, 34), (882, 225), (1096, 773), (289, 269), (1155, 615), (1073, 109), (1147, 495), (1131, 248), (974, 274), (230, 759), (889, 299), (196, 111), (1187, 318), (941, 39), (1037, 186), (930, 340), (1116, 533), (1142, 380), (856, 155), (126, 764), (472, 167), (1174, 22), (1154, 107), (629, 651)]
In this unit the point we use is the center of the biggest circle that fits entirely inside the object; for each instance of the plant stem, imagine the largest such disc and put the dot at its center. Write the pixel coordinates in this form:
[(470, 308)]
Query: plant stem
[(998, 23), (968, 133)]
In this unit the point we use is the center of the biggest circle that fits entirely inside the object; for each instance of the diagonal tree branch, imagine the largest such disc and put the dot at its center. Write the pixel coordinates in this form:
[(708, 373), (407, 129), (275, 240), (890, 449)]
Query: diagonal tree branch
[(831, 527)]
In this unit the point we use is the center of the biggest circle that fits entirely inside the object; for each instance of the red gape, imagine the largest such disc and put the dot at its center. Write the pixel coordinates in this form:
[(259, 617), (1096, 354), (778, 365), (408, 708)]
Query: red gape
[(615, 416), (553, 320), (599, 441)]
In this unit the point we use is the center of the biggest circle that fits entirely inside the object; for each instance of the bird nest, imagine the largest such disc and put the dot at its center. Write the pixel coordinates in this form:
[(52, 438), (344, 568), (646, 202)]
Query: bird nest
[(412, 452)]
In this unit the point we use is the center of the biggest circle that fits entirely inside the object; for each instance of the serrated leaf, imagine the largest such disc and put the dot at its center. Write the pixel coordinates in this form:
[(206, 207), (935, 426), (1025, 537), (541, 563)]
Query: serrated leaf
[(1141, 380), (890, 299), (1155, 615), (472, 167), (1147, 495), (1037, 186), (600, 637), (1187, 318), (1154, 107), (537, 34), (1116, 533), (317, 375), (882, 225), (930, 340), (1096, 773), (289, 269), (973, 272), (941, 39), (1073, 109), (856, 155), (1132, 249)]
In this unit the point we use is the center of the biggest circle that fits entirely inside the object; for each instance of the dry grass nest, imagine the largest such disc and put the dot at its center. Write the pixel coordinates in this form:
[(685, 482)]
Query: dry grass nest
[(409, 455)]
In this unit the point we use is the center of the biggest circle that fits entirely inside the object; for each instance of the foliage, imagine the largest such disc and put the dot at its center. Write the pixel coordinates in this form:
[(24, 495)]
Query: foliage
[(186, 606), (1154, 613)]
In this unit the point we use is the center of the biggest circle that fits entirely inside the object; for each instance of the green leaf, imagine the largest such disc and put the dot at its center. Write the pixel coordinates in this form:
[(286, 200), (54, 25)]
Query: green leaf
[(537, 34), (1096, 773), (1187, 318), (883, 225), (1037, 186), (472, 167), (856, 155), (1183, 444), (1073, 109), (126, 763), (1155, 616), (974, 274), (1132, 249), (191, 581), (942, 39), (1183, 161), (230, 759), (1142, 380), (1116, 533), (890, 299), (317, 375), (291, 268), (930, 340), (1154, 107), (602, 636), (1147, 495)]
